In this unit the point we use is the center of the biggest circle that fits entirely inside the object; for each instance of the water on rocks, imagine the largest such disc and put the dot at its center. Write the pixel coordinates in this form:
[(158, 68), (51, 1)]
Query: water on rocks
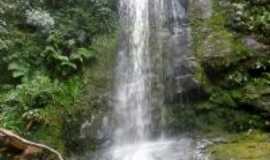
[(132, 109)]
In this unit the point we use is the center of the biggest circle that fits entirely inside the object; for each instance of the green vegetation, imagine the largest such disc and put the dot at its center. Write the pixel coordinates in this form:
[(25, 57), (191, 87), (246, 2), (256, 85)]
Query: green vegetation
[(251, 17), (47, 48), (93, 102), (248, 146), (235, 76), (232, 48)]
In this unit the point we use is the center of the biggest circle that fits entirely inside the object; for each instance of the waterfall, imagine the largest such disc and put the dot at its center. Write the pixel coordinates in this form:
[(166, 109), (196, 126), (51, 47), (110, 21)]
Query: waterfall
[(145, 24), (133, 85)]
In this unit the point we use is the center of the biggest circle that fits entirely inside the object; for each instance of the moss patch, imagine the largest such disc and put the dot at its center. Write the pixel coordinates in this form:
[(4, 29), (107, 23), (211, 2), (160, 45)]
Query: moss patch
[(234, 76), (253, 146)]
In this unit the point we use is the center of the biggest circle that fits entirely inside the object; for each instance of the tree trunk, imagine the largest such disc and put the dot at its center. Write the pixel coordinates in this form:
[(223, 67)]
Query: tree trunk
[(23, 149)]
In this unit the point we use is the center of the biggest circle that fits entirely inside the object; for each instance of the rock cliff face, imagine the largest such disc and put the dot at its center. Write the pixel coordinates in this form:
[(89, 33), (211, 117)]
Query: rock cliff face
[(180, 63), (174, 62), (216, 69), (233, 70)]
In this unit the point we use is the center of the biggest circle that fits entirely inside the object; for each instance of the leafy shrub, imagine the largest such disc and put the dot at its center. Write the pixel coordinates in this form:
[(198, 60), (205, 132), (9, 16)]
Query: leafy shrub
[(28, 93), (67, 27), (63, 55), (40, 19), (25, 98), (21, 55), (252, 17), (237, 78), (27, 105), (44, 46)]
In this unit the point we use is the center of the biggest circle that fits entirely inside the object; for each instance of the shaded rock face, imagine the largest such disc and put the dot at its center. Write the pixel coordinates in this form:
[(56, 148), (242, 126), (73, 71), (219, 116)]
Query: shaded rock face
[(172, 63), (180, 82), (262, 101), (252, 43), (203, 7), (88, 128)]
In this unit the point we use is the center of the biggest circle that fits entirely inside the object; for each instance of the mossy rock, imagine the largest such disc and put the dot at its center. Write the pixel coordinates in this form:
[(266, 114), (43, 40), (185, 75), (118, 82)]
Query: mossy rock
[(233, 76)]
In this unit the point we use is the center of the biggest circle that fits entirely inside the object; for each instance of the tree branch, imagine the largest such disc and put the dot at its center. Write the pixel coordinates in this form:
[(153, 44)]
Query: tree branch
[(28, 148)]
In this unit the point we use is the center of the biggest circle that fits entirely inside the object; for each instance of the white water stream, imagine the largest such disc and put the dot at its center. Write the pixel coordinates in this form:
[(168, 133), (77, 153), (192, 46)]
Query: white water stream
[(132, 108), (132, 86)]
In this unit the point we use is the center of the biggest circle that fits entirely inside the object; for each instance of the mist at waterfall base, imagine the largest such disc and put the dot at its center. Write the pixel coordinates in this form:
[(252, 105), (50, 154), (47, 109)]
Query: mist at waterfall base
[(133, 99)]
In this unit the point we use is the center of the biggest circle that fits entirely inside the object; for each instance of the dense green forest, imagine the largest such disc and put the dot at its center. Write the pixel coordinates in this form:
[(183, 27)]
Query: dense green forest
[(46, 48), (57, 59)]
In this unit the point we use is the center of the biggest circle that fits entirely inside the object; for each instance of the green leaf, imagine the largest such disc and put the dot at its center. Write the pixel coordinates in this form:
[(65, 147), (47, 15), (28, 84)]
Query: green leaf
[(61, 58), (14, 66), (86, 53), (69, 64), (18, 74), (76, 57), (18, 70)]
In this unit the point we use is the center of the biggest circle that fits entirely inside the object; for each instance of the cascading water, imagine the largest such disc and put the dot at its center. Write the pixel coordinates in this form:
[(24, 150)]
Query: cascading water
[(132, 88), (132, 137)]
